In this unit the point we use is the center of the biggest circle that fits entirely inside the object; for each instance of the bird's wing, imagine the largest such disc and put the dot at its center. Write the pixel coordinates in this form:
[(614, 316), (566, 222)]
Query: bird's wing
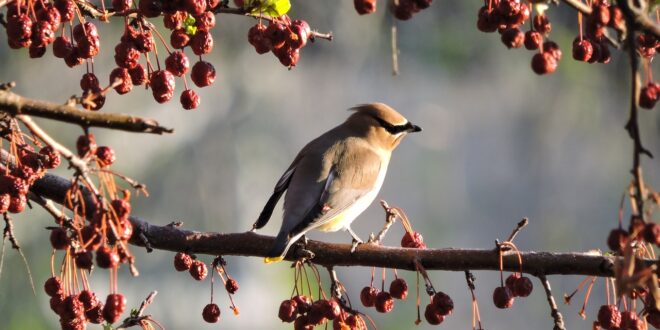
[(353, 175), (280, 187)]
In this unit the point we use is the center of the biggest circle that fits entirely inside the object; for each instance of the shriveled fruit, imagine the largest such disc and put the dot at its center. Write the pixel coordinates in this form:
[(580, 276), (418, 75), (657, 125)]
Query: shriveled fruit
[(211, 313)]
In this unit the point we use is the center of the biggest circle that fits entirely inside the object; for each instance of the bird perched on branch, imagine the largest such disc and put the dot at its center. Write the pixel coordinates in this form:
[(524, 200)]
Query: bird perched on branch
[(334, 178)]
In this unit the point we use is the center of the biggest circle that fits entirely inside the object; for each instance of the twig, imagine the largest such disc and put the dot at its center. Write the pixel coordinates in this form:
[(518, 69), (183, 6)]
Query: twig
[(579, 6), (137, 318), (390, 218), (395, 48), (8, 233), (50, 207), (518, 228), (556, 315), (15, 104)]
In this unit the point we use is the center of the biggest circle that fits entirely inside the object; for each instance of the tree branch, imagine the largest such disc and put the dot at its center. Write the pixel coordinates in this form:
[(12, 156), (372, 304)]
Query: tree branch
[(15, 104), (171, 238)]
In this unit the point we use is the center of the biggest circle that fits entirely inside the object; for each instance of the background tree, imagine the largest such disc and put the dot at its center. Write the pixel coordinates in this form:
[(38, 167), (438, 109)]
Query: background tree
[(552, 145)]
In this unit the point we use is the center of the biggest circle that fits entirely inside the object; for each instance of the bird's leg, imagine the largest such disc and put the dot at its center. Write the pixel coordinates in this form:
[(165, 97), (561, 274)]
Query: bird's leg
[(356, 240), (302, 245)]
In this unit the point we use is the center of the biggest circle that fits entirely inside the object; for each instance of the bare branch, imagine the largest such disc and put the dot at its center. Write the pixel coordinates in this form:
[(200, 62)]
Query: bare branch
[(556, 315), (15, 104), (171, 238)]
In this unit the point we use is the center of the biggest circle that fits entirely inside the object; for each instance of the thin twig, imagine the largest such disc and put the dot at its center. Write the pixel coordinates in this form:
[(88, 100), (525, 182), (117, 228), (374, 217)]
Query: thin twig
[(390, 217), (8, 233), (137, 317), (556, 315), (518, 228)]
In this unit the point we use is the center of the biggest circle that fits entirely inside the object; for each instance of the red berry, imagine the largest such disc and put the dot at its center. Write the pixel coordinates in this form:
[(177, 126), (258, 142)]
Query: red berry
[(56, 303), (288, 311), (122, 75), (138, 75), (121, 207), (231, 285), (543, 63), (413, 240), (144, 42), (122, 5), (88, 298), (399, 289), (511, 280), (174, 20), (303, 303), (533, 40), (609, 316), (84, 260), (177, 63), (62, 47), (82, 30), (150, 8), (552, 48), (17, 203), (115, 304), (195, 7), (364, 7), (42, 34), (443, 303), (89, 82), (513, 38), (316, 313), (72, 308), (648, 96), (105, 155), (298, 37), (522, 287), (198, 270), (432, 316), (179, 38), (277, 33), (107, 258), (95, 314), (205, 21), (257, 38), (126, 55), (203, 74), (617, 239), (162, 85), (59, 239), (202, 43), (182, 261), (331, 309), (66, 8), (542, 24), (652, 233), (302, 323), (19, 28), (384, 302), (53, 286), (502, 297), (189, 99), (582, 50), (653, 318), (368, 296), (51, 15), (211, 313), (5, 201)]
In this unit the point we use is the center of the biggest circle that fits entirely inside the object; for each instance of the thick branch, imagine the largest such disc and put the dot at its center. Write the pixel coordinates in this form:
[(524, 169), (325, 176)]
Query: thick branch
[(328, 254), (640, 18), (15, 104)]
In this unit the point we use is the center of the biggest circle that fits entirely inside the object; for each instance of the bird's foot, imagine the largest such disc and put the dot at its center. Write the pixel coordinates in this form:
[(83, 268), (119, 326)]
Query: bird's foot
[(355, 244)]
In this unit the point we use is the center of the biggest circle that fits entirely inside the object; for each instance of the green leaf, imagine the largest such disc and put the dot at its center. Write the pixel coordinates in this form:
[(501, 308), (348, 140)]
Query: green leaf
[(191, 30), (272, 8)]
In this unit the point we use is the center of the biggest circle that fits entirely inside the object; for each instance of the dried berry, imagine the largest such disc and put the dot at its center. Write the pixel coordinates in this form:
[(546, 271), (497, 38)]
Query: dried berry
[(84, 260), (533, 40), (303, 303), (107, 258), (617, 239), (126, 55), (115, 305), (399, 289), (288, 311), (205, 21), (316, 313), (72, 308), (211, 313), (432, 315), (510, 280), (231, 285), (522, 287), (177, 63), (198, 270), (443, 303), (59, 239), (648, 96), (384, 302), (53, 286), (277, 33), (413, 240), (502, 297), (138, 75), (150, 8), (56, 303), (582, 50), (121, 207), (106, 155), (189, 99), (182, 261), (122, 5), (202, 43), (609, 316), (302, 323), (652, 233), (88, 298), (364, 7), (49, 157), (653, 318), (86, 144), (331, 309), (17, 203), (542, 24), (513, 38), (203, 74), (257, 38), (368, 296), (123, 78), (179, 38), (195, 7), (162, 85), (544, 63)]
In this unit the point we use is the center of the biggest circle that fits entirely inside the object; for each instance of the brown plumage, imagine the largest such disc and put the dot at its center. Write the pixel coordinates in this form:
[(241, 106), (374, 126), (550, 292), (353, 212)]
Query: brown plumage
[(336, 176)]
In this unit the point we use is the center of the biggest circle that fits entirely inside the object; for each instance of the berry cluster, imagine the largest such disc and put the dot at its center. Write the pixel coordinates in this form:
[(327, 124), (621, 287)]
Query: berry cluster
[(305, 313), (508, 16), (283, 37), (440, 306), (196, 268), (638, 232), (515, 285), (381, 299)]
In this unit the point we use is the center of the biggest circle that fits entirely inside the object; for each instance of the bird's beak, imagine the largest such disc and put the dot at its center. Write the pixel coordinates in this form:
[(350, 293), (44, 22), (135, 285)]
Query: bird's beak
[(414, 128)]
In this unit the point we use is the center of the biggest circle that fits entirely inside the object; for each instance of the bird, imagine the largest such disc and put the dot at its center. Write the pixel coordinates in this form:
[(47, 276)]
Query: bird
[(336, 176)]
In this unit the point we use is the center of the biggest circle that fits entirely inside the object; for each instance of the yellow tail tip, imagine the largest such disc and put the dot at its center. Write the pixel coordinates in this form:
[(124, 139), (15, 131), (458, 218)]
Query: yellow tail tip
[(269, 260)]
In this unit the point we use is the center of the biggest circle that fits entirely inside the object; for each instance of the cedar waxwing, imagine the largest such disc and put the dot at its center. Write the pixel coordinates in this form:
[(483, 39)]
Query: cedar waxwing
[(335, 177)]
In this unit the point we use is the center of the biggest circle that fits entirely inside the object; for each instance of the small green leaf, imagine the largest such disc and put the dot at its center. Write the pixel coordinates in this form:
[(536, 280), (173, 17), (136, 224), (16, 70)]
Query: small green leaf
[(272, 8), (191, 30)]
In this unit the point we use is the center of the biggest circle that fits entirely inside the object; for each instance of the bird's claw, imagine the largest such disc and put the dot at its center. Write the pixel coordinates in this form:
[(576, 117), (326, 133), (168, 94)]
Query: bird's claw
[(355, 244)]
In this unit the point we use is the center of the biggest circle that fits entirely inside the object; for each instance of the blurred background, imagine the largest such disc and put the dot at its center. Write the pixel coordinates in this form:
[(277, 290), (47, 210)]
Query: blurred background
[(499, 143)]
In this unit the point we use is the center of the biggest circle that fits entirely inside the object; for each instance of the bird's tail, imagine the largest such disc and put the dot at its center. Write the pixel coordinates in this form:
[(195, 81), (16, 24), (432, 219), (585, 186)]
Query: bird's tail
[(279, 248)]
